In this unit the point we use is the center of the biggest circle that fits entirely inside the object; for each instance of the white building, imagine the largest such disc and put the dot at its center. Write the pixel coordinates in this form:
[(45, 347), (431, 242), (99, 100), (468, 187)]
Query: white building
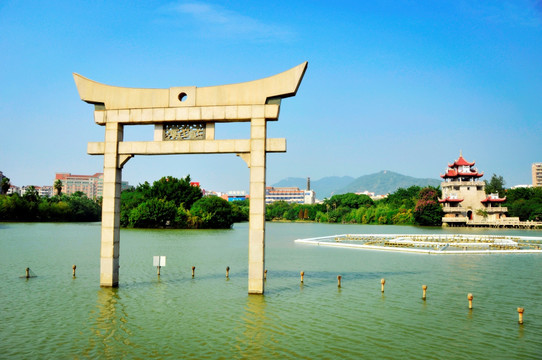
[(14, 190), (289, 194)]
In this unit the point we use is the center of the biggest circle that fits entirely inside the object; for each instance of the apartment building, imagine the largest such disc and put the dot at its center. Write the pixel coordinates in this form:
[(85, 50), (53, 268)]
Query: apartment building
[(537, 174)]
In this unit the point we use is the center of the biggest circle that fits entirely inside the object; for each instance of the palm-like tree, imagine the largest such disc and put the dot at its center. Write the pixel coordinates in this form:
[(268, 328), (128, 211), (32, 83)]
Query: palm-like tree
[(4, 185), (58, 186)]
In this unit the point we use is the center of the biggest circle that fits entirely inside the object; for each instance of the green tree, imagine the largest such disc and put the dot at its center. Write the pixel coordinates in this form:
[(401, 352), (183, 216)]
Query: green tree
[(213, 212), (403, 197), (525, 203), (4, 185), (240, 210), (32, 199), (495, 185), (177, 190), (153, 213), (321, 217), (403, 217), (13, 208), (276, 210), (336, 215), (58, 186), (81, 208), (428, 211), (130, 199), (349, 200), (182, 218)]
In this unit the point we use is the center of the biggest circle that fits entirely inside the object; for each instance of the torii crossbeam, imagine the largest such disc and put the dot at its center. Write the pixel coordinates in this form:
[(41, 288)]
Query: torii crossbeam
[(184, 120)]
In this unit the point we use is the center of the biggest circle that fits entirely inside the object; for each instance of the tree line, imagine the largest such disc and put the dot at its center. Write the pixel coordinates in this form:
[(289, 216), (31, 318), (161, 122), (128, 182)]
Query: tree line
[(33, 207), (411, 206), (175, 203)]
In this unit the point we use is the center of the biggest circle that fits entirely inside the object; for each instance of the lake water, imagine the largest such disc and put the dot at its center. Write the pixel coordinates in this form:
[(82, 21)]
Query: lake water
[(210, 317)]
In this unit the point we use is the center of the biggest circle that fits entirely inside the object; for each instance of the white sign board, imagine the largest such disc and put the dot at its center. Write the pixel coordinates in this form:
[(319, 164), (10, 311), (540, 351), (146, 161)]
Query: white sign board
[(159, 261)]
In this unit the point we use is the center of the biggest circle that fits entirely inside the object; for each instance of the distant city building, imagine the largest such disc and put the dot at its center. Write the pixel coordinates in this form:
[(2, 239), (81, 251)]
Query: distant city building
[(203, 191), (125, 186), (14, 190), (289, 194), (372, 195), (524, 186), (235, 196), (91, 185), (464, 198), (536, 169), (45, 190)]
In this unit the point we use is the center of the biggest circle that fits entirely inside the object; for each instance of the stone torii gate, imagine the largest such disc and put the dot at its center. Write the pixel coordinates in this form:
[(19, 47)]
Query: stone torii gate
[(184, 123)]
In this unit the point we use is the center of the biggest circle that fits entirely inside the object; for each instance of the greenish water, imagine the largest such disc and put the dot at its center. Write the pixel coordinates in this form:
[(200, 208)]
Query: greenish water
[(211, 317)]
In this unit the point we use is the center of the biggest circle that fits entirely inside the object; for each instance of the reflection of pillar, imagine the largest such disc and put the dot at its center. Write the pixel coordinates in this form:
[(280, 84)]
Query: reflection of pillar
[(109, 253), (256, 340), (256, 237)]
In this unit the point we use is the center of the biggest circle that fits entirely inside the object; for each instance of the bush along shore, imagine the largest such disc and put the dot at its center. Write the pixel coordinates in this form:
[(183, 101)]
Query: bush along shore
[(175, 203), (61, 208)]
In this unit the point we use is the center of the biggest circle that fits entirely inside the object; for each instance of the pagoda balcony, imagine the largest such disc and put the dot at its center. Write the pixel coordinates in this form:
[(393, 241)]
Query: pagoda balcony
[(494, 210), (449, 209), (463, 183), (458, 219)]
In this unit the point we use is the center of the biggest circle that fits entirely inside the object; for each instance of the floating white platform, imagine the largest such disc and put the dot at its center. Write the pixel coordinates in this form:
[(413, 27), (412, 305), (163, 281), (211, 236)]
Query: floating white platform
[(441, 244)]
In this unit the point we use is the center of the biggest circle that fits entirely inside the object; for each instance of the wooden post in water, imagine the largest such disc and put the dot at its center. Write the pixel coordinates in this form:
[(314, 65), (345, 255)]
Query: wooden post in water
[(470, 297), (382, 282), (520, 313), (424, 288), (73, 268)]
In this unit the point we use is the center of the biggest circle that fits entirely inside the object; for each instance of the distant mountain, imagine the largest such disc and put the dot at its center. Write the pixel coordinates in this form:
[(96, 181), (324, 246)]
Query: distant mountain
[(323, 187), (383, 182)]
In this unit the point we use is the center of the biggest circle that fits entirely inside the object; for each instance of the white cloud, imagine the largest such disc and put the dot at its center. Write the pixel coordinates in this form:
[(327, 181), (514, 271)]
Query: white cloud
[(212, 20)]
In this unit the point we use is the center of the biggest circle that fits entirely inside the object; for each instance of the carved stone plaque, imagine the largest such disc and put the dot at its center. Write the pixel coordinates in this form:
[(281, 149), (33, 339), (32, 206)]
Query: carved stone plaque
[(184, 131)]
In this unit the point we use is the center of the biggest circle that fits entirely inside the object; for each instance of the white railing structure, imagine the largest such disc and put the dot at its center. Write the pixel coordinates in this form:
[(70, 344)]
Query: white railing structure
[(432, 243)]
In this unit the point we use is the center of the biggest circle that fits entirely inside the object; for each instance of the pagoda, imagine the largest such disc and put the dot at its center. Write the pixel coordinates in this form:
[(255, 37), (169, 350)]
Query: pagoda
[(464, 199)]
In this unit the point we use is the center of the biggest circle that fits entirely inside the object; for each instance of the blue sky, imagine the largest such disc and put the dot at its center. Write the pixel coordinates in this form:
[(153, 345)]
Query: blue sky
[(391, 85)]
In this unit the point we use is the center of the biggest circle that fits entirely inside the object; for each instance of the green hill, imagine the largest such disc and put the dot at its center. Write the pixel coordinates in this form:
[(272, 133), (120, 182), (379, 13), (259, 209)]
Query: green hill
[(383, 182)]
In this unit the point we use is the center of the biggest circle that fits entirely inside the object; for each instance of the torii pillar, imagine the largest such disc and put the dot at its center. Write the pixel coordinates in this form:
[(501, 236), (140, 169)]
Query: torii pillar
[(184, 120)]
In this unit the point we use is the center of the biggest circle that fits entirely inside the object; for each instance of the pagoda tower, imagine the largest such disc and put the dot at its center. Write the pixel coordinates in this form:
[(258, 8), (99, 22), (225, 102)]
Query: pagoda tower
[(464, 199)]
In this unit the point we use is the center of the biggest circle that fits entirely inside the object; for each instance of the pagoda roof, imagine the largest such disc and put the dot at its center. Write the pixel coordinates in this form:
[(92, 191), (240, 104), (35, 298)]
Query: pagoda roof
[(490, 199), (453, 173), (461, 162), (448, 199)]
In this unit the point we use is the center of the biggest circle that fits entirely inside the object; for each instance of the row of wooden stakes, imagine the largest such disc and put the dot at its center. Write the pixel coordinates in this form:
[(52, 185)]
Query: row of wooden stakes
[(470, 297)]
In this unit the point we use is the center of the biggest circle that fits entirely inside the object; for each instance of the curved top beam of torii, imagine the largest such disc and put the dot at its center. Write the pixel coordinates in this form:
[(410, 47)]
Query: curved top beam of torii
[(257, 92)]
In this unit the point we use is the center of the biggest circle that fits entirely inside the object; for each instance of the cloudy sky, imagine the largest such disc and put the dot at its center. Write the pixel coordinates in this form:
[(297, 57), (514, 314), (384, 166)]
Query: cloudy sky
[(391, 85)]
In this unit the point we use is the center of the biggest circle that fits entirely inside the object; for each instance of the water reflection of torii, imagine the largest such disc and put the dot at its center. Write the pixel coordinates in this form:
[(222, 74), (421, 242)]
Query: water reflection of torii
[(184, 120)]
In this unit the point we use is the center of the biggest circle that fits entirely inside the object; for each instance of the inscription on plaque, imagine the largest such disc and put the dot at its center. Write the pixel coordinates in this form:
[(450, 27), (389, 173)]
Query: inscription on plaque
[(184, 131)]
